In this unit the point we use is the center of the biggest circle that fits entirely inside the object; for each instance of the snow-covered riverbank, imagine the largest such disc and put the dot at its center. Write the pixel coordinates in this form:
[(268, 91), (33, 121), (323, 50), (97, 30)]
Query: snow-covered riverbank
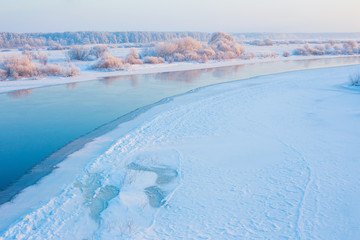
[(270, 157), (88, 74)]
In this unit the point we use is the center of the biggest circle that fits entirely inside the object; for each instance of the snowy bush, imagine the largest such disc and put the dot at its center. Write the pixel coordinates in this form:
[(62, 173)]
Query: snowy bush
[(268, 55), (220, 46), (2, 74), (56, 46), (79, 53), (133, 57), (208, 52), (59, 70), (99, 50), (286, 54), (109, 62), (191, 55), (225, 46), (299, 51), (250, 55), (154, 60), (165, 49), (355, 79), (178, 57), (41, 56), (187, 47), (266, 42), (348, 48), (309, 51), (19, 67), (188, 44), (72, 70), (23, 67)]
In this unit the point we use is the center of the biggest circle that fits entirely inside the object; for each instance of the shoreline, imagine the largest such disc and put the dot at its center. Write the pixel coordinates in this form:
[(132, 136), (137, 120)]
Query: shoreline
[(90, 75)]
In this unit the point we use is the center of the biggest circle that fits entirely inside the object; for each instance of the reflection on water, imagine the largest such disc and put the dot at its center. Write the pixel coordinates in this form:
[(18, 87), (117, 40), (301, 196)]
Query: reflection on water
[(189, 76), (239, 71), (71, 85), (19, 94), (108, 80)]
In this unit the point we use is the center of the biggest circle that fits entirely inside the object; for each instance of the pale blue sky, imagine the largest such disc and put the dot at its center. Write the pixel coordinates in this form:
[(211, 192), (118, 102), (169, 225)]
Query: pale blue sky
[(180, 15)]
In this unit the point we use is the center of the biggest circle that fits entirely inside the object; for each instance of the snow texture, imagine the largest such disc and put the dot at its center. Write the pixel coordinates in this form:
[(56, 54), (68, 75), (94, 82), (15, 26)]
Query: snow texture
[(272, 157)]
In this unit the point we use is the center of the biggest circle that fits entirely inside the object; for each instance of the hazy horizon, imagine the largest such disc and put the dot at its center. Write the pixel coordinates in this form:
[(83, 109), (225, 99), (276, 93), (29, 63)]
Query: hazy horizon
[(257, 16)]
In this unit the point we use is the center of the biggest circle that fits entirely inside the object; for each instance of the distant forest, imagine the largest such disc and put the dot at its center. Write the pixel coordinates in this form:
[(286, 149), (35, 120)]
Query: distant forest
[(18, 40), (298, 36)]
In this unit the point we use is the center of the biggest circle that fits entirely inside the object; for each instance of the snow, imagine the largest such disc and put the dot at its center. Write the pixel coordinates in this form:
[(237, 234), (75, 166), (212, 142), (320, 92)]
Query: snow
[(270, 157)]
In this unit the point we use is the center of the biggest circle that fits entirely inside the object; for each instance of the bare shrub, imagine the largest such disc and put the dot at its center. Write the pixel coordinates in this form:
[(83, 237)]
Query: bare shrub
[(181, 45), (72, 70), (2, 74), (19, 67), (286, 54), (80, 53), (170, 59), (332, 42), (109, 62), (352, 44), (178, 57), (188, 44), (133, 57), (192, 56), (154, 60), (208, 52), (355, 79), (99, 50), (220, 46), (250, 55), (42, 57), (52, 70), (268, 55), (268, 42), (256, 43), (203, 58), (165, 49), (350, 48), (59, 70), (23, 67)]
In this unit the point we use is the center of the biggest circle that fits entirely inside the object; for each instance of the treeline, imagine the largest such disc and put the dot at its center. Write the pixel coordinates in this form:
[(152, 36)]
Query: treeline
[(297, 36), (19, 40)]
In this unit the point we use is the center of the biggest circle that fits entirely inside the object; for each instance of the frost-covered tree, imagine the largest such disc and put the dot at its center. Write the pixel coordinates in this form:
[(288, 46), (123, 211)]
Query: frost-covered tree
[(99, 50), (225, 46), (133, 57), (81, 53)]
